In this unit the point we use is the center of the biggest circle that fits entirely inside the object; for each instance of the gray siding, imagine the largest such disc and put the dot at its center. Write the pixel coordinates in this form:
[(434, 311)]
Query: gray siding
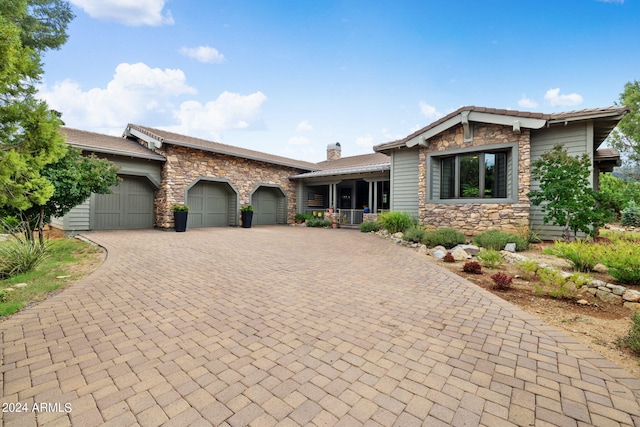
[(404, 181), (575, 139)]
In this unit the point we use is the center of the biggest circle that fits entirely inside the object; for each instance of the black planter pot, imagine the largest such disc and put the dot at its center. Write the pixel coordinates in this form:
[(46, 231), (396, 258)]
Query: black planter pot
[(180, 220), (247, 217)]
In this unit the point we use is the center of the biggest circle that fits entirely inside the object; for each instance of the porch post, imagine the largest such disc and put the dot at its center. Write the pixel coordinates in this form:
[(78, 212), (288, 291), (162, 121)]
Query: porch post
[(374, 207), (370, 201)]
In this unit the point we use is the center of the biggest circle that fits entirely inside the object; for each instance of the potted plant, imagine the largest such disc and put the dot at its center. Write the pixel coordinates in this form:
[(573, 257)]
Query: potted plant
[(180, 213), (365, 209), (246, 213)]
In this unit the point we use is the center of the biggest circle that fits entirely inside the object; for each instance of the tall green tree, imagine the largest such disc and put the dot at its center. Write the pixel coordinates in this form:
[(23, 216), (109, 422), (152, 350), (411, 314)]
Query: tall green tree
[(29, 130), (626, 137), (565, 195)]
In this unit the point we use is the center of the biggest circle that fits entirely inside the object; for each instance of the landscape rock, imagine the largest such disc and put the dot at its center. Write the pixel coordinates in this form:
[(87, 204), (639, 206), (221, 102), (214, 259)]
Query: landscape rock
[(438, 254), (632, 306), (472, 250), (510, 247), (398, 235), (600, 268), (631, 295), (616, 289), (438, 248), (608, 297), (582, 302), (459, 254), (423, 249), (20, 285)]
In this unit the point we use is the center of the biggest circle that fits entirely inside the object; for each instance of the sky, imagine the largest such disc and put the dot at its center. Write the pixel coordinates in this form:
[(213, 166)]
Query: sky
[(290, 77)]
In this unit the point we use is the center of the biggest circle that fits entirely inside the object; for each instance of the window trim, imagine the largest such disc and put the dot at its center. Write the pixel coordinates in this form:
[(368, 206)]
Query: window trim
[(512, 187)]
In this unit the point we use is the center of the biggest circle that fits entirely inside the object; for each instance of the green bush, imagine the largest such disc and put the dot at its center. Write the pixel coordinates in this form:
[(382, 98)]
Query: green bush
[(631, 215), (556, 283), (528, 267), (490, 258), (369, 226), (18, 257), (314, 222), (616, 236), (447, 237), (414, 234), (632, 340), (395, 222), (582, 255), (497, 239), (623, 261)]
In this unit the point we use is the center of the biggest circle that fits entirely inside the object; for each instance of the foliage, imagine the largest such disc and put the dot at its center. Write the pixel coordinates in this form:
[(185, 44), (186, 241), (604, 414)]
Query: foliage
[(303, 216), (623, 261), (395, 222), (616, 236), (246, 208), (632, 340), (20, 256), (526, 233), (29, 131), (447, 237), (490, 258), (369, 226), (616, 193), (626, 136), (582, 254), (414, 234), (497, 239), (180, 208), (565, 193), (555, 281), (631, 215), (529, 267), (472, 267), (501, 281), (448, 257), (316, 222)]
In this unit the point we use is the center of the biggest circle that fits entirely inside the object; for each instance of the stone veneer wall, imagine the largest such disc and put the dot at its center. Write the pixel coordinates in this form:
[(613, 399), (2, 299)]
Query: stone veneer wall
[(473, 218), (186, 165)]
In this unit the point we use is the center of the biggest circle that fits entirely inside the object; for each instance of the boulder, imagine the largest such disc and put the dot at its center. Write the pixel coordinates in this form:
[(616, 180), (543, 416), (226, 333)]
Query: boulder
[(438, 248), (459, 254), (582, 302), (631, 295), (600, 268), (510, 247), (423, 249), (632, 306), (472, 250), (616, 289), (398, 235), (438, 254), (608, 297)]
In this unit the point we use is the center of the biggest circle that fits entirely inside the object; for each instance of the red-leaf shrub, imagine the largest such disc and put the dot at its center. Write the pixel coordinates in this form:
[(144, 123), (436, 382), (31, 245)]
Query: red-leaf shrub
[(501, 281), (473, 267)]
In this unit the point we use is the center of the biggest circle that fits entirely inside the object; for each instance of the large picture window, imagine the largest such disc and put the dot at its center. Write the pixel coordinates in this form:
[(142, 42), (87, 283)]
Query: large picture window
[(474, 175)]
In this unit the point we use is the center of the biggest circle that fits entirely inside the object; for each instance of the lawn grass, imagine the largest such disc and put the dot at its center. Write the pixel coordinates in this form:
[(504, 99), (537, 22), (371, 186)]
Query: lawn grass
[(67, 260)]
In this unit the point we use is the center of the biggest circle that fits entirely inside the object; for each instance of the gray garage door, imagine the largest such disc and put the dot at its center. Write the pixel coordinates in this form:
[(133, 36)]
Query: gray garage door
[(129, 206), (208, 205), (266, 202)]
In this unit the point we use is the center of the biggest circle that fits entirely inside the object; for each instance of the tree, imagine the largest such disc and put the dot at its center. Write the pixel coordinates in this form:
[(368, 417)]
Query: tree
[(626, 137), (565, 193), (29, 130), (74, 178)]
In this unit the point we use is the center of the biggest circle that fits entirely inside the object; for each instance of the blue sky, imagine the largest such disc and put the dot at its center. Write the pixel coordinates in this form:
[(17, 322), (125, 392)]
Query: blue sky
[(290, 77)]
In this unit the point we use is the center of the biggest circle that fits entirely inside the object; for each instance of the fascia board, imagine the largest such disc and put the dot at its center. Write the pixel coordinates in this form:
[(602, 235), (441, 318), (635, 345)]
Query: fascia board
[(430, 133), (146, 138), (499, 119)]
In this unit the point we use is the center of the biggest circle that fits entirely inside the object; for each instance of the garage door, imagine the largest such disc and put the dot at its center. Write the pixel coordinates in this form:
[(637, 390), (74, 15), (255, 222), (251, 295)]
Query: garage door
[(129, 206), (208, 205), (265, 206)]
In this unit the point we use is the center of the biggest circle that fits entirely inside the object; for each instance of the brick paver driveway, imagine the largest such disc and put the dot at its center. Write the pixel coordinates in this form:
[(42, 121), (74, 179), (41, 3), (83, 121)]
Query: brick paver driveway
[(293, 326)]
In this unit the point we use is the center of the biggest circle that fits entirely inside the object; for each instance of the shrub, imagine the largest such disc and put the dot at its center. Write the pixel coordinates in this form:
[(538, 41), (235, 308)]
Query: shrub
[(501, 281), (414, 234), (304, 217), (623, 261), (557, 284), (473, 267), (314, 222), (448, 257), (631, 215), (369, 226), (528, 267), (447, 237), (18, 257), (497, 239), (582, 254), (395, 222), (616, 236), (490, 258), (3, 295), (632, 340)]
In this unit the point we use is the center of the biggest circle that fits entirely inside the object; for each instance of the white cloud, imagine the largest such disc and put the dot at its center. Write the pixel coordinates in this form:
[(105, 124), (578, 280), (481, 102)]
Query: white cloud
[(129, 12), (525, 102), (204, 54), (229, 111), (134, 91), (429, 111), (304, 126), (554, 98), (365, 141), (298, 140)]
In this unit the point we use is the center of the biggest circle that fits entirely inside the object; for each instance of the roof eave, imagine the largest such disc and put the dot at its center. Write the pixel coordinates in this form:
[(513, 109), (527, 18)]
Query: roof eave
[(159, 158)]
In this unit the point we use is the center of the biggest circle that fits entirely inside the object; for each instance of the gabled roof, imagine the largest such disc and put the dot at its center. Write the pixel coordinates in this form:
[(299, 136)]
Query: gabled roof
[(364, 163), (604, 118), (100, 143), (159, 137)]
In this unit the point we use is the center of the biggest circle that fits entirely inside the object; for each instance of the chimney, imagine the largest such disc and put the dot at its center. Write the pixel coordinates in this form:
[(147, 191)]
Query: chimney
[(334, 152)]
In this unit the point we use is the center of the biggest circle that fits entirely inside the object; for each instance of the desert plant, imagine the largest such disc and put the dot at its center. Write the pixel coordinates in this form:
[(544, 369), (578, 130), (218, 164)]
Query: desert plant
[(582, 255), (616, 236), (20, 256), (473, 267), (315, 222), (448, 257), (528, 267), (631, 215), (497, 239), (414, 234), (447, 237), (623, 261), (632, 340), (557, 285), (395, 222), (501, 281), (369, 226), (490, 258)]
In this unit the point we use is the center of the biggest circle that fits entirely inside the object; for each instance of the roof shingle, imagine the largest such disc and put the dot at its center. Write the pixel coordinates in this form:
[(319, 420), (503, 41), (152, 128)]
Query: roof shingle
[(107, 144)]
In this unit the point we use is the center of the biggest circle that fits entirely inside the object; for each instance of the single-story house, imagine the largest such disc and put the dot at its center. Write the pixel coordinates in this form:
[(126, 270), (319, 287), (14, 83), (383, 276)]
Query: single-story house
[(471, 169)]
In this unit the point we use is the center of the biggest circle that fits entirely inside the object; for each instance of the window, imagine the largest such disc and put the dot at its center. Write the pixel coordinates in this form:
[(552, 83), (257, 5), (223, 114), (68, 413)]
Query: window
[(471, 175)]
